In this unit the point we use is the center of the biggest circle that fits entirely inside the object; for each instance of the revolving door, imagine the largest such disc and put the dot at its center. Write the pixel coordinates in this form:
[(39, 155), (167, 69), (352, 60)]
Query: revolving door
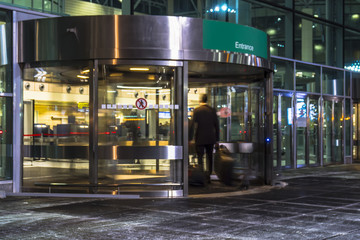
[(120, 131), (109, 115)]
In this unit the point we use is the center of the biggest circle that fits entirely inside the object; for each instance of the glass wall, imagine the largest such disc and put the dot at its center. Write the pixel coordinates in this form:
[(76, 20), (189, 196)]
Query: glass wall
[(6, 102), (333, 81), (6, 139), (329, 9), (352, 13), (307, 78), (50, 6), (321, 110)]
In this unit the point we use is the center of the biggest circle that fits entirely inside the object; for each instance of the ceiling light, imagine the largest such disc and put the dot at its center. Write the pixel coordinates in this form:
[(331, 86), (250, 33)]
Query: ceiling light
[(82, 76), (139, 69), (133, 87)]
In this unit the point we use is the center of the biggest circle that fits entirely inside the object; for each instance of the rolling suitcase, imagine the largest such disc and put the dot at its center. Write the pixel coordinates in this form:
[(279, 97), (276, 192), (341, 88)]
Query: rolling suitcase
[(224, 165), (197, 176)]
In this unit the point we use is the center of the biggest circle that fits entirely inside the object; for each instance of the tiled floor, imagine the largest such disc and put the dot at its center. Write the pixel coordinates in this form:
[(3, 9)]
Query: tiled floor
[(311, 206)]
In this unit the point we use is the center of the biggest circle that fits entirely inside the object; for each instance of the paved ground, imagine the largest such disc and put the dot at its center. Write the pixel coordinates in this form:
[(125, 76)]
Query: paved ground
[(316, 204)]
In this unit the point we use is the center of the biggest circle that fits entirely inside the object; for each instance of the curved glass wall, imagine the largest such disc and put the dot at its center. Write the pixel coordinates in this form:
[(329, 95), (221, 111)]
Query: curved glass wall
[(6, 139), (138, 110), (130, 139), (6, 102), (56, 124)]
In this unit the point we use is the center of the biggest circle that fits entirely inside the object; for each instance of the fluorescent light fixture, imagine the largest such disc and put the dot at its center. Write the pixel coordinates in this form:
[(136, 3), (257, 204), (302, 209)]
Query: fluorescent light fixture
[(82, 76), (133, 87), (355, 16), (139, 69), (271, 31), (85, 71)]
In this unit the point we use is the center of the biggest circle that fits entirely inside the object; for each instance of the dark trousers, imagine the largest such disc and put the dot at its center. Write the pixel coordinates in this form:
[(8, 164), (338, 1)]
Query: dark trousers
[(209, 148)]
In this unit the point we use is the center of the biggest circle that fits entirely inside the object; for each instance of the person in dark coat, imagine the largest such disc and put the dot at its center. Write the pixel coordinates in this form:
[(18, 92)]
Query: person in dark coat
[(205, 126)]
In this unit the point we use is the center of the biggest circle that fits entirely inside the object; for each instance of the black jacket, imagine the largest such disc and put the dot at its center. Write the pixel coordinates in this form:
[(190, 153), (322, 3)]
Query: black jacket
[(205, 125)]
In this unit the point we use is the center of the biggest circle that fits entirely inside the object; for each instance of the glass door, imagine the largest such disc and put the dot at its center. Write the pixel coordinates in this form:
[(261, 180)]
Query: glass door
[(283, 122), (313, 147), (139, 126), (332, 131), (301, 124), (240, 112)]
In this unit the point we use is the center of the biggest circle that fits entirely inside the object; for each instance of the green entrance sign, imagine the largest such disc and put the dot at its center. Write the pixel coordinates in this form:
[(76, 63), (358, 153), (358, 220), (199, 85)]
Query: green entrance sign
[(235, 38)]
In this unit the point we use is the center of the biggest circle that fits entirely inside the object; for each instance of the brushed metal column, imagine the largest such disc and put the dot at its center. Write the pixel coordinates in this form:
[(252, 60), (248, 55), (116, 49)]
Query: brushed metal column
[(93, 130)]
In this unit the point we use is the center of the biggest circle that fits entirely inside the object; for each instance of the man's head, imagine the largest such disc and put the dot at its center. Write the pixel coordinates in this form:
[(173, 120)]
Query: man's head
[(203, 98)]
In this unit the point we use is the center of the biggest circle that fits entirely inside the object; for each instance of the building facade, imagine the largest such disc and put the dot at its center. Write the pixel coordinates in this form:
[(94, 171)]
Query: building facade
[(313, 46)]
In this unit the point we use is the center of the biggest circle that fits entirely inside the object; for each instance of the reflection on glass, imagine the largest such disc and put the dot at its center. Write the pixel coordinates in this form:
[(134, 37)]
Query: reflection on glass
[(333, 81), (5, 138), (327, 132), (330, 9), (286, 131), (284, 74), (275, 23), (5, 51), (313, 131), (301, 121), (239, 109), (338, 132), (356, 132), (351, 14), (347, 123), (307, 78), (276, 144), (351, 49), (316, 42), (136, 108), (56, 125)]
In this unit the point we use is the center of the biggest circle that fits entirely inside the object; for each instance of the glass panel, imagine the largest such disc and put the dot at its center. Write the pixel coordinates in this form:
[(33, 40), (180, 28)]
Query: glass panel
[(348, 127), (307, 78), (56, 125), (333, 81), (329, 9), (313, 138), (285, 3), (286, 132), (5, 52), (351, 13), (300, 131), (328, 132), (239, 108), (277, 24), (356, 132), (6, 139), (24, 3), (347, 84), (318, 43), (338, 131), (284, 74), (276, 144), (352, 50), (137, 107)]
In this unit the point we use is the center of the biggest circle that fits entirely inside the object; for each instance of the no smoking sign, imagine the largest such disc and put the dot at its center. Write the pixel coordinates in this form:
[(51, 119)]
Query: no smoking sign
[(141, 103)]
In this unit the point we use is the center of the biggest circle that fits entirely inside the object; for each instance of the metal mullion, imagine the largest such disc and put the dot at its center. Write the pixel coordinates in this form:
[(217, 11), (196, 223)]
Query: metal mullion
[(93, 130), (321, 130), (279, 134), (185, 121), (307, 152)]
